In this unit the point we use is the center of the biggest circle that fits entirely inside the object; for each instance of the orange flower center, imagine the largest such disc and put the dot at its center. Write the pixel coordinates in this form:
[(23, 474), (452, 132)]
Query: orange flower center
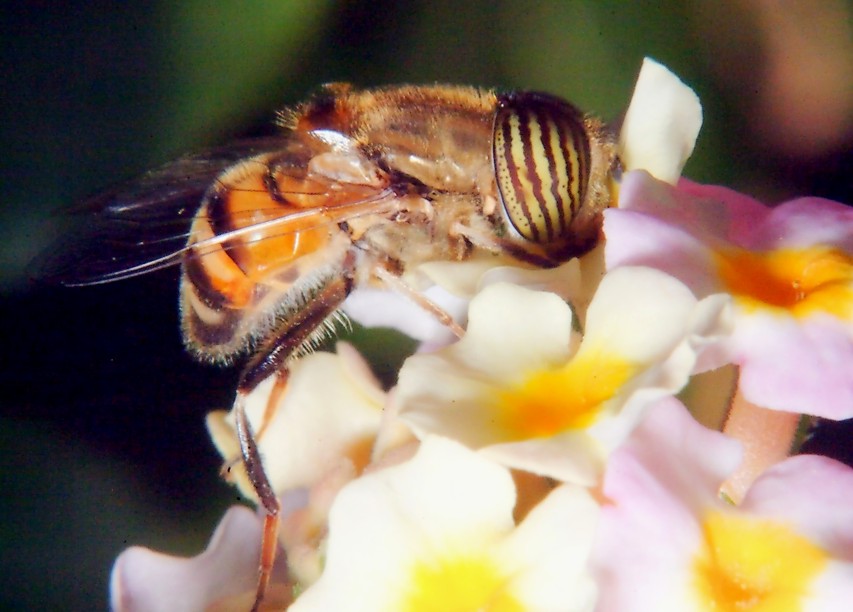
[(548, 402), (801, 281)]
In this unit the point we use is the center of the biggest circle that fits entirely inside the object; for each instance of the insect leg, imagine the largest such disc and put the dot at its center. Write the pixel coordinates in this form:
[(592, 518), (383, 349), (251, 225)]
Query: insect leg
[(266, 495), (272, 358), (397, 284), (273, 402)]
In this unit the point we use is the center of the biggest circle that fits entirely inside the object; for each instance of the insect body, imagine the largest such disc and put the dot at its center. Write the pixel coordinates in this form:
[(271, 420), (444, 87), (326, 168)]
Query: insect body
[(362, 186), (369, 183)]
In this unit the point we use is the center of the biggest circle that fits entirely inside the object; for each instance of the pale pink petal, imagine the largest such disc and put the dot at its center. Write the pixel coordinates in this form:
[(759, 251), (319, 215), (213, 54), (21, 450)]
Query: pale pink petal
[(800, 222), (815, 496), (700, 214), (790, 360), (808, 221), (662, 485), (815, 493), (658, 226), (146, 581), (384, 308), (795, 365), (667, 471), (645, 462), (735, 215)]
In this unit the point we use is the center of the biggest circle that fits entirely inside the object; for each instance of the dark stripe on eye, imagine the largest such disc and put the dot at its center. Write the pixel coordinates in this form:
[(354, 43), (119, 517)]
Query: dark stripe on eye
[(530, 150), (580, 143), (514, 199), (570, 203), (525, 161), (548, 131)]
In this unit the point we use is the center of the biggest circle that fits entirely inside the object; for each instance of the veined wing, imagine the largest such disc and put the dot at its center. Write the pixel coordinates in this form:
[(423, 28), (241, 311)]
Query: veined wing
[(143, 226)]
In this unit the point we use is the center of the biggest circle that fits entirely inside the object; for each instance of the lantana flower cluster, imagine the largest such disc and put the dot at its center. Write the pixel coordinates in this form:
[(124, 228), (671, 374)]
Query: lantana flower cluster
[(546, 461)]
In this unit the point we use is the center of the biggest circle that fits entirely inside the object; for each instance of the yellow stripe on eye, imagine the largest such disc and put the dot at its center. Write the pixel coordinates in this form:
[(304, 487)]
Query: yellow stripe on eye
[(540, 202), (522, 192), (560, 175)]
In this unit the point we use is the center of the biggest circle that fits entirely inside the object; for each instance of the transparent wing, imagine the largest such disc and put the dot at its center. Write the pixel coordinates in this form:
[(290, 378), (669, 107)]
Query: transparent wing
[(139, 221), (142, 226)]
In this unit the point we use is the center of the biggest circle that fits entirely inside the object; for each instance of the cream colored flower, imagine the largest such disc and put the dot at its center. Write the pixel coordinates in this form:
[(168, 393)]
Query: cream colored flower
[(437, 533), (331, 409), (531, 393)]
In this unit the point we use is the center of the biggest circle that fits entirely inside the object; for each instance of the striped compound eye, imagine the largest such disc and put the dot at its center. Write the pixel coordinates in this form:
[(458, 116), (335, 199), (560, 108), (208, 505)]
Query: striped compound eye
[(541, 154)]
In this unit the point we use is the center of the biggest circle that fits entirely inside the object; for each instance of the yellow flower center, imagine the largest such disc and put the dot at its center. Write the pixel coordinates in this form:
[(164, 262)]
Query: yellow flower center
[(801, 281), (548, 402), (459, 584), (754, 565)]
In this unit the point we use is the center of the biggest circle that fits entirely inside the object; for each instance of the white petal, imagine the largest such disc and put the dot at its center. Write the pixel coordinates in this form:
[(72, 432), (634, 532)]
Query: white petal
[(445, 499), (638, 314), (549, 551), (661, 124), (573, 457), (513, 330), (330, 411)]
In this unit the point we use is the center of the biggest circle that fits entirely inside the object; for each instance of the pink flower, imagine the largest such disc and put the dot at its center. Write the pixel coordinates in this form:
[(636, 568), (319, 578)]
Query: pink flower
[(668, 542), (789, 270)]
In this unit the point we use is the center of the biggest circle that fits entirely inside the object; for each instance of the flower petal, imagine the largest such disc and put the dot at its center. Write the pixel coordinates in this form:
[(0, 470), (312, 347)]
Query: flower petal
[(440, 536), (517, 388), (383, 308), (146, 581), (332, 408), (661, 124), (667, 542), (815, 493), (788, 269), (796, 366), (380, 523)]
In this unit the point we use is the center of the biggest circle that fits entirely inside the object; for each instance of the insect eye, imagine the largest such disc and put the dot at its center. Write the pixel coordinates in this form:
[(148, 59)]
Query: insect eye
[(541, 157)]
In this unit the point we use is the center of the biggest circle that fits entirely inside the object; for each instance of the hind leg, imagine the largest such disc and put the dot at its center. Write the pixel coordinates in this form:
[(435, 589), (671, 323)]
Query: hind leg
[(272, 359)]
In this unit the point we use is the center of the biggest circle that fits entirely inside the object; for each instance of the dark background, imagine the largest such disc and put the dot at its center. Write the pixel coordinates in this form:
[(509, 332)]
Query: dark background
[(102, 440)]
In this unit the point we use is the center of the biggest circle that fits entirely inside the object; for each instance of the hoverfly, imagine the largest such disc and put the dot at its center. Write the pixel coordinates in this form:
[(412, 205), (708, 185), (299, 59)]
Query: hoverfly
[(360, 186)]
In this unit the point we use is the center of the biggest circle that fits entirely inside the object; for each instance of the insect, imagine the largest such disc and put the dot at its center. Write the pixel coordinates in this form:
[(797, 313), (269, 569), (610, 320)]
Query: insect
[(360, 186)]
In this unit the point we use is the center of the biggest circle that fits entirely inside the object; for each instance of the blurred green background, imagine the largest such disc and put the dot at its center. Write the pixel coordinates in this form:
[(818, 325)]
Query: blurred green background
[(103, 443)]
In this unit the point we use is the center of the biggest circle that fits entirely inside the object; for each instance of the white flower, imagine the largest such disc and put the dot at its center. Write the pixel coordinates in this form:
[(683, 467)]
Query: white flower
[(331, 409), (437, 533), (526, 390)]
